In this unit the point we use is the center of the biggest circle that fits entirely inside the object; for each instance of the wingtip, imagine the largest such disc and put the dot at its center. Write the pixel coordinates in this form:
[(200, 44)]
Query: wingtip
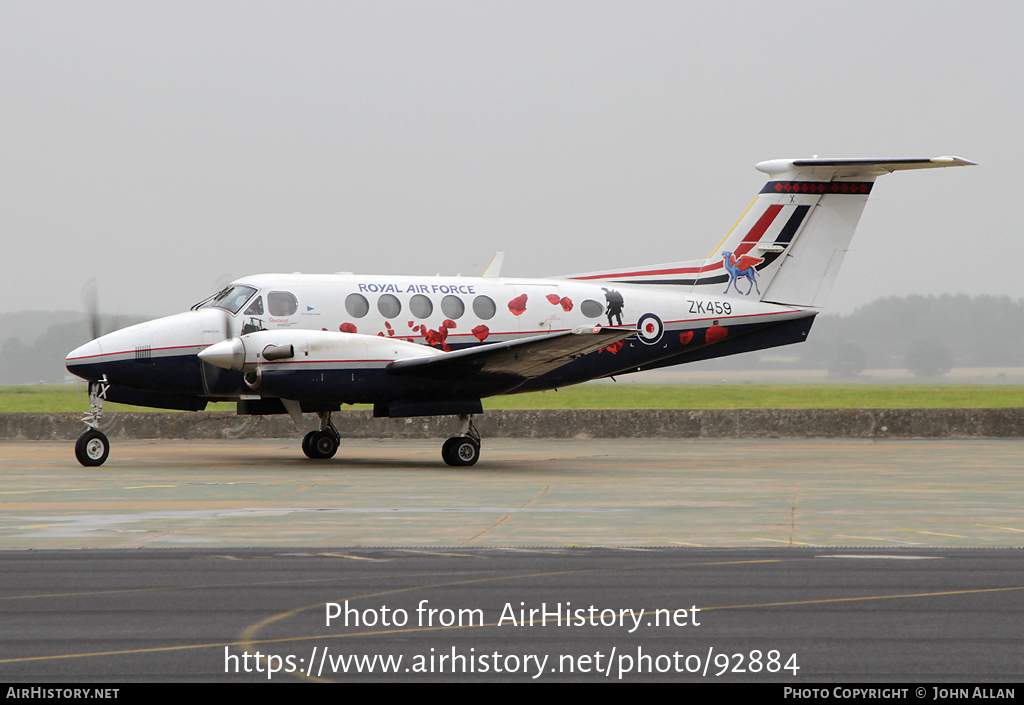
[(952, 161)]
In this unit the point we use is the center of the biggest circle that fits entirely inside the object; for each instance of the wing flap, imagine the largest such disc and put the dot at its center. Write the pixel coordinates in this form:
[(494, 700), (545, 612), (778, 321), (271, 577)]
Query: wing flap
[(525, 358)]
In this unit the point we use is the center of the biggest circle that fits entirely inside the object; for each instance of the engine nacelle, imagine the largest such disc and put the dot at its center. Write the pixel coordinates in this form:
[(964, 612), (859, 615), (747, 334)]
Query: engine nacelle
[(308, 348)]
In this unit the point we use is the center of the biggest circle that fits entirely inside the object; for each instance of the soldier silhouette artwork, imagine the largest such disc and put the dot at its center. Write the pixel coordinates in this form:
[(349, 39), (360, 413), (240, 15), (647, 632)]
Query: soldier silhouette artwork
[(615, 305)]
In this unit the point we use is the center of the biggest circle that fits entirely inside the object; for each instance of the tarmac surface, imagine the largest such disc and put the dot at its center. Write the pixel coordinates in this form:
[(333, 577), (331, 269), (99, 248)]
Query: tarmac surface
[(782, 615), (598, 492), (849, 560)]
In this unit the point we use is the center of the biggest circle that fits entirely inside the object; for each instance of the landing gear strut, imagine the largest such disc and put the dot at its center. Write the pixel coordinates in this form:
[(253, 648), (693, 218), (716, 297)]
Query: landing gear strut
[(92, 447), (322, 444), (464, 449)]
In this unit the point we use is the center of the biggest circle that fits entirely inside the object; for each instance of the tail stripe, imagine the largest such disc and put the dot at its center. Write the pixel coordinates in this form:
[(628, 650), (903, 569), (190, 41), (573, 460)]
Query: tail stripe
[(786, 236), (751, 238)]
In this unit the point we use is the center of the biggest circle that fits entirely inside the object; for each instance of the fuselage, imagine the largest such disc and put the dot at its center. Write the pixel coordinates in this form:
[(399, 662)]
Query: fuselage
[(405, 313)]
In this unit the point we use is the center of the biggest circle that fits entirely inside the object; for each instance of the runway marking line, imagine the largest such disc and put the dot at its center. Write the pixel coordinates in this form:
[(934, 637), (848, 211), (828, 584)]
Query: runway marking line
[(506, 517), (355, 558), (870, 538), (933, 533), (788, 543), (438, 553), (1004, 528)]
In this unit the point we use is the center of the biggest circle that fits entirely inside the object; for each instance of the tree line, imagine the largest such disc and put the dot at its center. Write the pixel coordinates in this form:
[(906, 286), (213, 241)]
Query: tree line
[(28, 359), (925, 334)]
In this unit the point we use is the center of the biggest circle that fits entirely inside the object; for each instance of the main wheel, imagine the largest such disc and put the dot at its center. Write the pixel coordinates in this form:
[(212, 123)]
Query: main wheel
[(460, 451), (307, 444), (323, 445), (446, 451), (92, 448)]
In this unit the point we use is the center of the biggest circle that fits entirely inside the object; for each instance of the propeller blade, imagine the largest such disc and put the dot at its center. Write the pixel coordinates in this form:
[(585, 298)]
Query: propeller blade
[(90, 299)]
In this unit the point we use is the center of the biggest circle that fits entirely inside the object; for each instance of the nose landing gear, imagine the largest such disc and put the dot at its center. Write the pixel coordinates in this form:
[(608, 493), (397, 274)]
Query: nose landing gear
[(92, 447), (322, 444), (462, 450)]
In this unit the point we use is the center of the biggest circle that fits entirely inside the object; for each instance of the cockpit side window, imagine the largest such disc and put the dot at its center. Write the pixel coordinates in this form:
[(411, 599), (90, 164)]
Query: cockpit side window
[(255, 308), (230, 298), (282, 303)]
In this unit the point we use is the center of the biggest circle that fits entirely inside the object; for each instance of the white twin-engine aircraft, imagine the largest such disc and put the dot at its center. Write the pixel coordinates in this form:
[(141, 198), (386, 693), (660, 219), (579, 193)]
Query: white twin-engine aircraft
[(428, 346)]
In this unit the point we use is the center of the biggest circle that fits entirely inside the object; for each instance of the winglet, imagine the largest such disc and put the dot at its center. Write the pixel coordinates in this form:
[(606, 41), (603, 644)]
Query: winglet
[(493, 268)]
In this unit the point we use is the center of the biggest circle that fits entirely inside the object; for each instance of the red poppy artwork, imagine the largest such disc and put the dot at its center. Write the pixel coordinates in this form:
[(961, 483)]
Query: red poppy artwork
[(716, 333), (347, 328), (517, 305), (565, 302), (437, 337), (481, 332)]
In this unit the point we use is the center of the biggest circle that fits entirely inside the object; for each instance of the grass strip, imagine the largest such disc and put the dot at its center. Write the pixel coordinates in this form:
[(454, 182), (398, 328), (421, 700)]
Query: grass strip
[(73, 398)]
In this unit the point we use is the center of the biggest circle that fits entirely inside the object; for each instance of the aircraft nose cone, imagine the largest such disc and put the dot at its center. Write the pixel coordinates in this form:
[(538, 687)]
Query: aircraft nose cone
[(229, 354), (79, 359)]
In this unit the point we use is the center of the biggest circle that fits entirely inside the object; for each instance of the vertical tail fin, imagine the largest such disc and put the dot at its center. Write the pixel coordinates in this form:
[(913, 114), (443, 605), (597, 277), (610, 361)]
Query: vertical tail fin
[(788, 245)]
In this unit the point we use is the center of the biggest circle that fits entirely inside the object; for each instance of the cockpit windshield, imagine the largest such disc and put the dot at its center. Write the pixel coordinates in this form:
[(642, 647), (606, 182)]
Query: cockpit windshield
[(230, 298)]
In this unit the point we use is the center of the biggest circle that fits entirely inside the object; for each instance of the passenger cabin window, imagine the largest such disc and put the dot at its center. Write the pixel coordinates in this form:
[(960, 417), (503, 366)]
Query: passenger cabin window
[(255, 308), (281, 303), (483, 307), (230, 298), (389, 305), (452, 307), (421, 306), (591, 308), (357, 305)]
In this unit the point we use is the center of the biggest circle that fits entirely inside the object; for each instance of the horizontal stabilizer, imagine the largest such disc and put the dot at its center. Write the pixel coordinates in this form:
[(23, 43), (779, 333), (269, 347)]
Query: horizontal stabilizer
[(828, 169)]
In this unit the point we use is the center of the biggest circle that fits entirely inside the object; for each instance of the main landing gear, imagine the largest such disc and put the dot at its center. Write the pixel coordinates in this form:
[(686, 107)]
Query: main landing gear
[(92, 447), (322, 444), (464, 449)]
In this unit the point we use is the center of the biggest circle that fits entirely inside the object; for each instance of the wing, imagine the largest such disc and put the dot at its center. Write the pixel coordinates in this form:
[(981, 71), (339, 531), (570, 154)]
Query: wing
[(524, 358)]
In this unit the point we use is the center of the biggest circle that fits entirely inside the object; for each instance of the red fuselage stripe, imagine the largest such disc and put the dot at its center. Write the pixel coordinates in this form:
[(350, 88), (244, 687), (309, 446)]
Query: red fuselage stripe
[(747, 244)]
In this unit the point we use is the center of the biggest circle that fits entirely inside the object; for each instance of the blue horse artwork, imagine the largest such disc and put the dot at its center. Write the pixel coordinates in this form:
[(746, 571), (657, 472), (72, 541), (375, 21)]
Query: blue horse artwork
[(741, 267)]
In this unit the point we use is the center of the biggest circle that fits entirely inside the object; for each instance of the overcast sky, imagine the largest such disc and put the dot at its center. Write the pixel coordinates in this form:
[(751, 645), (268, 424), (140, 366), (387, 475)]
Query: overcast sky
[(164, 148)]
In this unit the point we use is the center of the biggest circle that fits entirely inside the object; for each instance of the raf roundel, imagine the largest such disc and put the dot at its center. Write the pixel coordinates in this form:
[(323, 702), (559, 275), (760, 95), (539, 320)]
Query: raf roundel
[(649, 329)]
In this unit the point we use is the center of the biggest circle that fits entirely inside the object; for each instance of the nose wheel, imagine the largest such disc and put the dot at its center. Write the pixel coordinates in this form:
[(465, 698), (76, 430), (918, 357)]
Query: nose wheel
[(92, 448)]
